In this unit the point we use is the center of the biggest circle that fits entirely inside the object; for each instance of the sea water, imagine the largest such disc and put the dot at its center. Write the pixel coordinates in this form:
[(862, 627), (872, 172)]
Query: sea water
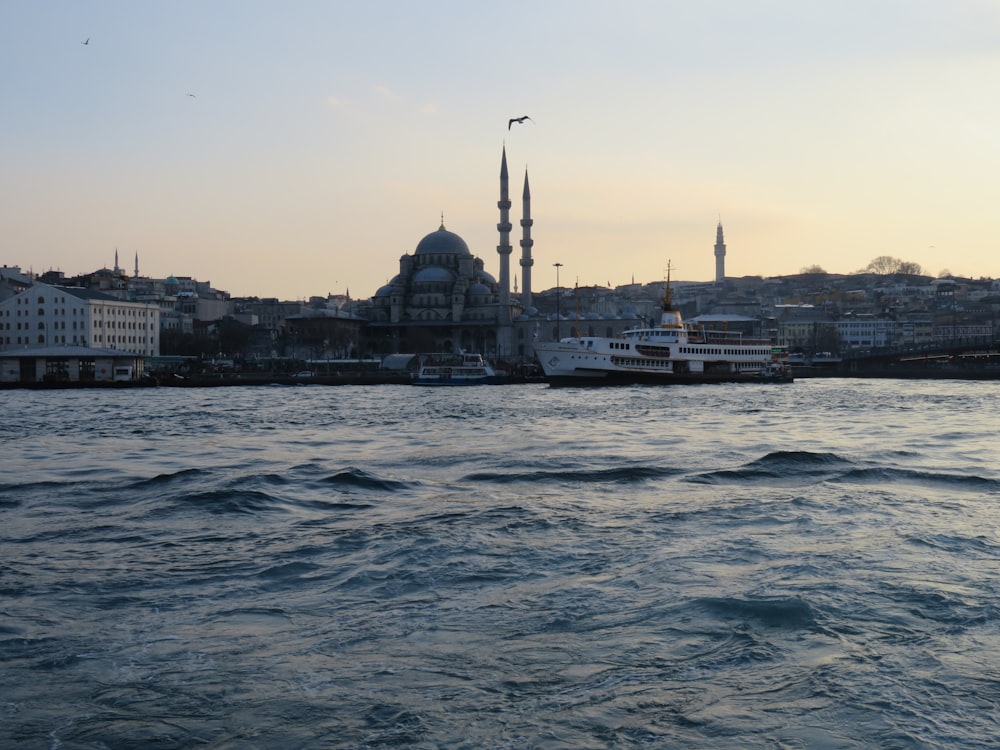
[(812, 565)]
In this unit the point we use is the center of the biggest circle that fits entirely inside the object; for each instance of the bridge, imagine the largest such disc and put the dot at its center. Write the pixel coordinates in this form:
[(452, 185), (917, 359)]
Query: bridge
[(975, 358)]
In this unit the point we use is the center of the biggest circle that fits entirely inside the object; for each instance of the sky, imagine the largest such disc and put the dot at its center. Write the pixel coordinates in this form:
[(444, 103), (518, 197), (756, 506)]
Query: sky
[(299, 148)]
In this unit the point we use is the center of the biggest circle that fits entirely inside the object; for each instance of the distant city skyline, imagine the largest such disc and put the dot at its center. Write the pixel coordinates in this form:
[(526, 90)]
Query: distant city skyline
[(300, 150)]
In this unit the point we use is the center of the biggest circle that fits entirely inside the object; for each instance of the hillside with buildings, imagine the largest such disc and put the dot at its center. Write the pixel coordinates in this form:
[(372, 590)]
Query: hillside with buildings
[(444, 299), (808, 313)]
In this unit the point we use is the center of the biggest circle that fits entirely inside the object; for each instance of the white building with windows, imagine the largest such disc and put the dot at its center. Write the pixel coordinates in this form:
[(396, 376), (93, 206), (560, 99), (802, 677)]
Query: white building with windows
[(867, 332), (45, 316)]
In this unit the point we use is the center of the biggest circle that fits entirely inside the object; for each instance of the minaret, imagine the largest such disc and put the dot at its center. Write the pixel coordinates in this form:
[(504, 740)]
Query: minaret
[(720, 255), (504, 249), (526, 242), (116, 262), (136, 274), (505, 336)]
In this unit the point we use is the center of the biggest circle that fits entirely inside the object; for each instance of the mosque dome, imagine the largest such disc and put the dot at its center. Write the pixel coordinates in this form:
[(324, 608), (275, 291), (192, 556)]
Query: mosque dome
[(434, 274), (484, 277), (385, 291), (442, 242), (479, 289)]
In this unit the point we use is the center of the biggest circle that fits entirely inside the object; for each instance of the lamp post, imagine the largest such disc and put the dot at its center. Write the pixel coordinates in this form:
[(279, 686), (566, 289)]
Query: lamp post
[(558, 314)]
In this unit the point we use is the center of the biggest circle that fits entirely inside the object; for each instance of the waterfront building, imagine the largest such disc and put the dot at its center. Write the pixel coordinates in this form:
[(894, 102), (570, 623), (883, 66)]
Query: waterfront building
[(69, 364), (46, 316)]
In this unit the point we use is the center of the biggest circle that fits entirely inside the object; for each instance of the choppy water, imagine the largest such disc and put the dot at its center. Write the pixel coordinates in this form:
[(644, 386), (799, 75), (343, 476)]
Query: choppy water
[(729, 566)]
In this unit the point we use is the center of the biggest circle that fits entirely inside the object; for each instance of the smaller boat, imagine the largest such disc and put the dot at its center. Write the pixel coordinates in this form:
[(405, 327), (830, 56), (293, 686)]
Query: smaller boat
[(455, 369)]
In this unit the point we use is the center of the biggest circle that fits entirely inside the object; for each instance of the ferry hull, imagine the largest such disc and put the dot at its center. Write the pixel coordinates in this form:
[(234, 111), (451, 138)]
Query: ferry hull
[(614, 378)]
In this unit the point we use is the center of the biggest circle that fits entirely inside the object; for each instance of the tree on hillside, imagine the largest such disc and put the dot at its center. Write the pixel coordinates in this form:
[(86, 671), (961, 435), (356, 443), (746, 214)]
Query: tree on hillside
[(886, 265), (911, 268)]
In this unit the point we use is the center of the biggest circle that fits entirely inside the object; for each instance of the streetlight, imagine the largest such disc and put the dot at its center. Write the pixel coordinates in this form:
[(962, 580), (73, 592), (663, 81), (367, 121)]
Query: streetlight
[(558, 315)]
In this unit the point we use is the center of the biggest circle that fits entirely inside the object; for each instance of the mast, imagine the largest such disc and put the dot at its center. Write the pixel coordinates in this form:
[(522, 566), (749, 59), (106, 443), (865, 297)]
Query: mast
[(666, 292)]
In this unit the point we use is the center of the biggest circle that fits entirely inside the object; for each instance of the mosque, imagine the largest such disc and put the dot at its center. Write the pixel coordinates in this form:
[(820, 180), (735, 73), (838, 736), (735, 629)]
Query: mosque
[(443, 299)]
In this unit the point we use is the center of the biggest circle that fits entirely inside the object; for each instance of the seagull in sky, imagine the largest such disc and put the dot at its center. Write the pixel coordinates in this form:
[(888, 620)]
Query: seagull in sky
[(519, 120), (86, 42), (192, 96)]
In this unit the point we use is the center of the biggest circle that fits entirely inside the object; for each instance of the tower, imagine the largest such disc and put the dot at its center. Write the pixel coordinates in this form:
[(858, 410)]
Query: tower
[(136, 274), (505, 335), (526, 242), (720, 255)]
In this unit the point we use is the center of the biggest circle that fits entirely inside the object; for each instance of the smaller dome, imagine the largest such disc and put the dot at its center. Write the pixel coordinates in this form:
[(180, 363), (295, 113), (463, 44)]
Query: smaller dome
[(433, 274), (484, 277), (385, 291), (479, 289)]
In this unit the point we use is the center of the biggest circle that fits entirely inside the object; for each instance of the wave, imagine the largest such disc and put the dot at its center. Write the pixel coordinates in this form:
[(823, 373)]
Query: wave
[(230, 501), (780, 465), (882, 475), (166, 479), (619, 475), (358, 478), (799, 466), (789, 613)]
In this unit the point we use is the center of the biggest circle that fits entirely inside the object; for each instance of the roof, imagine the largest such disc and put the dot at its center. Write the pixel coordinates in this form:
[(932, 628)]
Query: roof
[(80, 293), (66, 351)]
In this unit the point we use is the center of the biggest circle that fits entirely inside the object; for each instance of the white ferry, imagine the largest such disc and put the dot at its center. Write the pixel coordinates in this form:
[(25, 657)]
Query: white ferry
[(673, 352), (454, 369)]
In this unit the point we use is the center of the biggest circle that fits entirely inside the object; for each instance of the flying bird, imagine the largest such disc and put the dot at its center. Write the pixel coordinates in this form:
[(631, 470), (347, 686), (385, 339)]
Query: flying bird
[(86, 42), (192, 96), (520, 120)]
